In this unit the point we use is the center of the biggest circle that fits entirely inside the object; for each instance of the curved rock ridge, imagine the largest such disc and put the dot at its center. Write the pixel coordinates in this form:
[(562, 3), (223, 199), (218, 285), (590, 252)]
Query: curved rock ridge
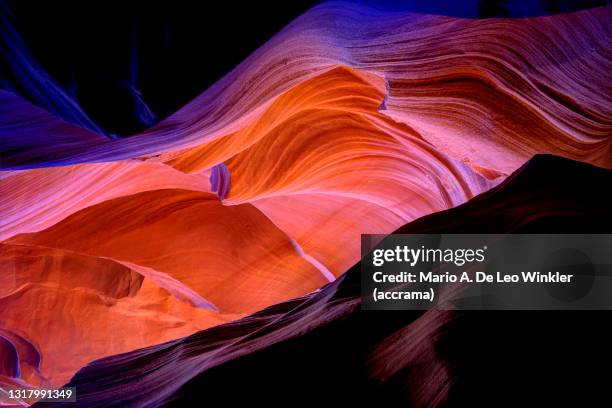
[(233, 256), (351, 120), (325, 342), (24, 358), (482, 89), (37, 199), (90, 305)]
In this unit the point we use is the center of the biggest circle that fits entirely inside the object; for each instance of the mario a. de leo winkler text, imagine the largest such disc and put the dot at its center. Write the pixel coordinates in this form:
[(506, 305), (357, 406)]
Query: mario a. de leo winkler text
[(479, 277), (459, 257)]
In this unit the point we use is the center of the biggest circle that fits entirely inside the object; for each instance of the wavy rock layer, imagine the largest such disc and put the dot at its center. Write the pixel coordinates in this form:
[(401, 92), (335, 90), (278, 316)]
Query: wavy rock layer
[(325, 343), (513, 87), (349, 121)]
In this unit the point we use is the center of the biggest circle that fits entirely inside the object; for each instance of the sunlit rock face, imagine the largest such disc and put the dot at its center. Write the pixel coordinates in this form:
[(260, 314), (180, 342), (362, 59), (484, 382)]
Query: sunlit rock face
[(348, 121)]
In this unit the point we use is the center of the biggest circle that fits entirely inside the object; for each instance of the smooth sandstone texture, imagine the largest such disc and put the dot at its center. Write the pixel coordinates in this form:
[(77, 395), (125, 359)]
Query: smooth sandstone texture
[(348, 121)]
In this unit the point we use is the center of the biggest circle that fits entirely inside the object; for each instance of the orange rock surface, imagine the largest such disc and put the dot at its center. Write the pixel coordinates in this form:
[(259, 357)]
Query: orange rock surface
[(258, 190)]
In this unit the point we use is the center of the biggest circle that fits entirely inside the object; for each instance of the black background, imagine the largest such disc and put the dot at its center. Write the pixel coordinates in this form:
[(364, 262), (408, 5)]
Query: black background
[(182, 48)]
